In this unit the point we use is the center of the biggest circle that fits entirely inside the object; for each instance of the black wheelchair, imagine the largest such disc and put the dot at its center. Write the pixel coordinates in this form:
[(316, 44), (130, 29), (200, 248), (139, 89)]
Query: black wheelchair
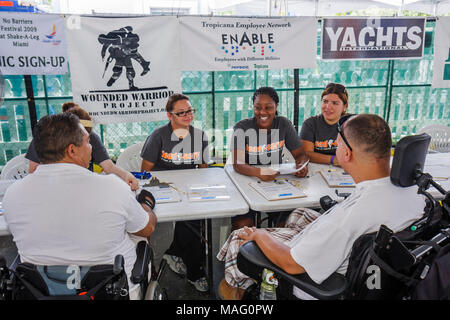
[(26, 281), (382, 265)]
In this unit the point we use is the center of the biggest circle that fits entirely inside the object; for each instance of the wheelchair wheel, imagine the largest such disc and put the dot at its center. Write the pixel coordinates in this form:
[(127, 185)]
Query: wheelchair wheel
[(155, 292)]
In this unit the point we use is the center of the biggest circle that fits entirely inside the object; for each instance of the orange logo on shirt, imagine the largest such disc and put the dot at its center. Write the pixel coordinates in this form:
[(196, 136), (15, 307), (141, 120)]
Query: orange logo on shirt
[(180, 156), (327, 144), (265, 147)]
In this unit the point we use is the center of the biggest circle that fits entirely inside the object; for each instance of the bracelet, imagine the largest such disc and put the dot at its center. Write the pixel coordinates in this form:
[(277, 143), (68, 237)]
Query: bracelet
[(332, 159)]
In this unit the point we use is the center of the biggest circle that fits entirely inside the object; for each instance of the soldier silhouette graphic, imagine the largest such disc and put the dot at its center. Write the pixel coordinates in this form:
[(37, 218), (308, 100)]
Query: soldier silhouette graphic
[(122, 46)]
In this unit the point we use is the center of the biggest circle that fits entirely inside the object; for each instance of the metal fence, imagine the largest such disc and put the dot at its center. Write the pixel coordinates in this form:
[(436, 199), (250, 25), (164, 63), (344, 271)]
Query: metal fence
[(398, 90)]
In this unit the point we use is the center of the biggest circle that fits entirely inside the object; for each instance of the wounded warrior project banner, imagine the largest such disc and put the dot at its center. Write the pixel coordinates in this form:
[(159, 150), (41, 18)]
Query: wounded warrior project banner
[(441, 62), (230, 44), (373, 38), (32, 44), (124, 69)]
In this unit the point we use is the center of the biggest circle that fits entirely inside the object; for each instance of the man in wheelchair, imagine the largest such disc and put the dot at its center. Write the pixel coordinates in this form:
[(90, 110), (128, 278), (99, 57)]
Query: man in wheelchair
[(322, 248), (65, 215)]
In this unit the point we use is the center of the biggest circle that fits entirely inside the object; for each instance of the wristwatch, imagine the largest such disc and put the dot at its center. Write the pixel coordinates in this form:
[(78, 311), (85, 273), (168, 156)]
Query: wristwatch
[(141, 198)]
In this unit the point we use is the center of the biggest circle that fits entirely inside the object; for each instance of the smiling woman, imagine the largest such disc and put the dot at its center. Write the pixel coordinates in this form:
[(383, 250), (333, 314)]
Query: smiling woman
[(174, 146), (319, 133), (260, 141)]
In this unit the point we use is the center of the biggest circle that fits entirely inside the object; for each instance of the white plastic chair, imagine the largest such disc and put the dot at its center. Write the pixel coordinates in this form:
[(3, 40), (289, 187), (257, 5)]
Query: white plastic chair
[(16, 168), (440, 137), (130, 159)]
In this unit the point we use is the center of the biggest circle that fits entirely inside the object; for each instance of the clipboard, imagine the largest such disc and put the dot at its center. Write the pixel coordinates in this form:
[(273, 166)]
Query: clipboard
[(213, 192), (277, 190), (337, 178), (164, 194)]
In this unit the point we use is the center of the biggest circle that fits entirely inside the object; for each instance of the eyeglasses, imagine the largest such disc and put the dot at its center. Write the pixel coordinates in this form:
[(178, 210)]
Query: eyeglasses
[(338, 86), (341, 132), (184, 113)]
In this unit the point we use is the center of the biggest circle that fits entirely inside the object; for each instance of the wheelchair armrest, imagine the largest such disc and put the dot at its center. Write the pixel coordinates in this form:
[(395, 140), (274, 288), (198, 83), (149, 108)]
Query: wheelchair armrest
[(332, 288), (119, 264), (140, 269)]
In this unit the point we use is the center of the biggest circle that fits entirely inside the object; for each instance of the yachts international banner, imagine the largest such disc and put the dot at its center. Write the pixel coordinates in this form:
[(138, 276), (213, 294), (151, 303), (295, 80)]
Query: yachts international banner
[(372, 38), (32, 44), (230, 44), (124, 69), (441, 63)]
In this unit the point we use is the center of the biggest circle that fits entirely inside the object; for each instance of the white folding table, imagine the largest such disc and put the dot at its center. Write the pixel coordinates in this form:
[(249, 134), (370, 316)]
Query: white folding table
[(188, 210), (207, 210), (438, 165), (313, 185), (185, 209)]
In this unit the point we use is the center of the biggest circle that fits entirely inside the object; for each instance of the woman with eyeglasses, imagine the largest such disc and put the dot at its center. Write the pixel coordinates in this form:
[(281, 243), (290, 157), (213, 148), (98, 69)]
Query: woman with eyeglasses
[(178, 145), (260, 141), (319, 133)]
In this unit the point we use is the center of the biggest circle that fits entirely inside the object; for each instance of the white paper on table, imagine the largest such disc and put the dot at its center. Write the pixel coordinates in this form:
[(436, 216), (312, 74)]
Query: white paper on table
[(277, 190), (164, 194), (210, 192), (337, 178), (288, 168)]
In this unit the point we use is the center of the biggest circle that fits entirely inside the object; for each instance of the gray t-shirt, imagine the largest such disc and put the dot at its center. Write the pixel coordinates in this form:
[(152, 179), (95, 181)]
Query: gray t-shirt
[(321, 134), (168, 152), (264, 146), (99, 153)]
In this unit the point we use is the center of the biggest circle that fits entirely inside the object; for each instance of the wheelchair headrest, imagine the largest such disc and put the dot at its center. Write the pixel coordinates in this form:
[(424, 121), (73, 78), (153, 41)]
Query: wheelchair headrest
[(409, 155)]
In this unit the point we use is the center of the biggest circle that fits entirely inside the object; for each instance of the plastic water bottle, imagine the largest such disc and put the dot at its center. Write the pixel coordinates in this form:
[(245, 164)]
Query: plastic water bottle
[(268, 286)]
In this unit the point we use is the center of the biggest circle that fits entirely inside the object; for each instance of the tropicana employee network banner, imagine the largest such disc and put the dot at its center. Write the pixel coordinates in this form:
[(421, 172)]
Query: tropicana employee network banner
[(124, 69), (230, 44)]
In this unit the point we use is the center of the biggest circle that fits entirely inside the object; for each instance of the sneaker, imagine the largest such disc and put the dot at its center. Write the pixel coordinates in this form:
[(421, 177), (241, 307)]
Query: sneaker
[(200, 284), (176, 264)]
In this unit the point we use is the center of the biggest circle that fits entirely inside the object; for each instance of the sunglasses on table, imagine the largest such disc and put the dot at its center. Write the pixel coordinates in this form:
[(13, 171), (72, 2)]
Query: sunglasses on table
[(184, 113), (341, 132), (337, 86)]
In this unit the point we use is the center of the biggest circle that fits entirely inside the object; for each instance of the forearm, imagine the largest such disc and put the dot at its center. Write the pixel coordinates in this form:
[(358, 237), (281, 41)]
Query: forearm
[(151, 215), (317, 157), (147, 165), (109, 167), (247, 170), (300, 155), (277, 252), (150, 227)]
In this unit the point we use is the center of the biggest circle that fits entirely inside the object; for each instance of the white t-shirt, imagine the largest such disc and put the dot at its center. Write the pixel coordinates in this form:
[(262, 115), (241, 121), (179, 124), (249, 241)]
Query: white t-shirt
[(63, 214), (325, 245)]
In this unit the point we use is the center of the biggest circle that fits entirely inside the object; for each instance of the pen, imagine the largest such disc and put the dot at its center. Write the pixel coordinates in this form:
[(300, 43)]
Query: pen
[(176, 189), (304, 165)]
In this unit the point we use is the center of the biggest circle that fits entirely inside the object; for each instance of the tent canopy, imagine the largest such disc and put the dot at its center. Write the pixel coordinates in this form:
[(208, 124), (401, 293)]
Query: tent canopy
[(325, 7)]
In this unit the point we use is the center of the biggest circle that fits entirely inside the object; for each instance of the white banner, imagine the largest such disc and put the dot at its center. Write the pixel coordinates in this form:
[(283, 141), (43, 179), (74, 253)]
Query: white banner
[(32, 44), (124, 69), (231, 44), (441, 63)]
